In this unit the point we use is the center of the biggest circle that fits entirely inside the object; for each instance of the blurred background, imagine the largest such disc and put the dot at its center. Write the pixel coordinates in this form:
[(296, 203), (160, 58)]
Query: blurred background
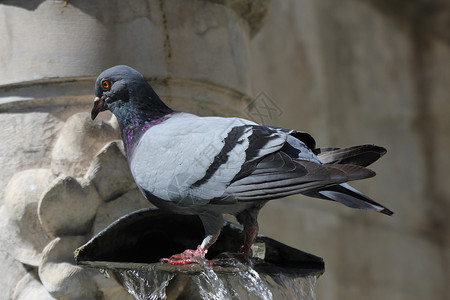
[(348, 72)]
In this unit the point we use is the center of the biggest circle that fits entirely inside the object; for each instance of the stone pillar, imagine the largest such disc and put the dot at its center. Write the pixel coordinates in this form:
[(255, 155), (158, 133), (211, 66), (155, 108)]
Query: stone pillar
[(55, 160)]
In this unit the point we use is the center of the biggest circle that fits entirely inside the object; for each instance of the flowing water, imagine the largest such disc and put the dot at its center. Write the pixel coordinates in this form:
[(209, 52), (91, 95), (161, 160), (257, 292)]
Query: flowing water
[(236, 282)]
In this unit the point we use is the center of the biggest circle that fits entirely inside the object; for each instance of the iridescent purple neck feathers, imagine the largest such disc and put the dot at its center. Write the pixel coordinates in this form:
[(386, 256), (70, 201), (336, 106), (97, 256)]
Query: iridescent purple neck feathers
[(132, 132)]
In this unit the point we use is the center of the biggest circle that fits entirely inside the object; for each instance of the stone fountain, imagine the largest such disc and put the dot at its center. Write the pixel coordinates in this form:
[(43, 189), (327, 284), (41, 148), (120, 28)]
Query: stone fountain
[(130, 250), (64, 177)]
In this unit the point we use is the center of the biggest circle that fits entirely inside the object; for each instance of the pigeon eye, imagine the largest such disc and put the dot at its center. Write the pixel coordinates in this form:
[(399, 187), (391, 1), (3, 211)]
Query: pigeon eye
[(106, 84)]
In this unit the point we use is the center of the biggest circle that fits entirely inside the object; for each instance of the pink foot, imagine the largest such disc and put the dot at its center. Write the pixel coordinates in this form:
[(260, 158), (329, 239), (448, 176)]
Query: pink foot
[(188, 257)]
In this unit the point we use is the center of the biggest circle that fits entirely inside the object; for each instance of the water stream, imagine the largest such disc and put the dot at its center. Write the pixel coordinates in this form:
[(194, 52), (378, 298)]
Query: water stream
[(238, 282)]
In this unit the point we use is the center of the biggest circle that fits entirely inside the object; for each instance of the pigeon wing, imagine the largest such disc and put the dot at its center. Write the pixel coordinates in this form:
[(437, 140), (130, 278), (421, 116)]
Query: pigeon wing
[(189, 159), (279, 175)]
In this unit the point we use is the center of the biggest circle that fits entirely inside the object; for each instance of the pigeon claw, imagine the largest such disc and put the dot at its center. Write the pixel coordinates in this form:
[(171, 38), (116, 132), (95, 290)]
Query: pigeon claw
[(189, 256)]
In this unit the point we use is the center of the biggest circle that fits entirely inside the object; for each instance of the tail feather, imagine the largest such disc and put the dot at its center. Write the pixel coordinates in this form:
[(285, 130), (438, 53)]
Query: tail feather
[(344, 193), (362, 155), (349, 196)]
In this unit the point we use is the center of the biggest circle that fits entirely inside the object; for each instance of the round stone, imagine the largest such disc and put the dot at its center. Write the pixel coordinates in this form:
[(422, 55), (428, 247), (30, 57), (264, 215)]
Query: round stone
[(78, 141), (67, 207), (29, 288), (59, 275), (21, 234), (109, 172)]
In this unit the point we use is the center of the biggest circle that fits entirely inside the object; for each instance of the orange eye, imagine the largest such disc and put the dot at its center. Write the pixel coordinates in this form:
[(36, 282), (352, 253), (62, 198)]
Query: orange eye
[(106, 84)]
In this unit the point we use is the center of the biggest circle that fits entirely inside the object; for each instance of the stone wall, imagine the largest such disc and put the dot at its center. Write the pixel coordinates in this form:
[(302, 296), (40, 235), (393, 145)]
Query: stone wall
[(353, 72), (349, 72)]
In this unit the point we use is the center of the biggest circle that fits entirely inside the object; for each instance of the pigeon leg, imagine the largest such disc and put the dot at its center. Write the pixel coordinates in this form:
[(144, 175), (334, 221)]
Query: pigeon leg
[(248, 219), (213, 226), (250, 235)]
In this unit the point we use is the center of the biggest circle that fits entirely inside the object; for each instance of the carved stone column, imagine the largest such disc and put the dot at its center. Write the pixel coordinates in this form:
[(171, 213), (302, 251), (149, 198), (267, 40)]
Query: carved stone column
[(54, 192)]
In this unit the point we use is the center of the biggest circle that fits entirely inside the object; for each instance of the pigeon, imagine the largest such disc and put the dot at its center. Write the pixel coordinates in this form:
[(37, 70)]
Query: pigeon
[(211, 166)]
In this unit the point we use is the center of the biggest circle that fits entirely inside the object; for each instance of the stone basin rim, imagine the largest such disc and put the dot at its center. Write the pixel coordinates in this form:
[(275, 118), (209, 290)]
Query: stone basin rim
[(187, 269), (128, 244)]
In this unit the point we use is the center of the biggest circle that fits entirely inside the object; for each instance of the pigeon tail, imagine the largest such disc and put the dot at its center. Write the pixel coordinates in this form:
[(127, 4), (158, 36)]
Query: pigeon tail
[(349, 196), (362, 155)]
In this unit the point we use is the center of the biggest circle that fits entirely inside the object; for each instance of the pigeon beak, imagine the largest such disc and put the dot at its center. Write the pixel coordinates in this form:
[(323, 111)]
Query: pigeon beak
[(97, 107)]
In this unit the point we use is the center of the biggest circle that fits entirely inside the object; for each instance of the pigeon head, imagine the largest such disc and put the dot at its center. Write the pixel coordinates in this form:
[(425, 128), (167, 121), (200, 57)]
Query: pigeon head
[(126, 93)]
